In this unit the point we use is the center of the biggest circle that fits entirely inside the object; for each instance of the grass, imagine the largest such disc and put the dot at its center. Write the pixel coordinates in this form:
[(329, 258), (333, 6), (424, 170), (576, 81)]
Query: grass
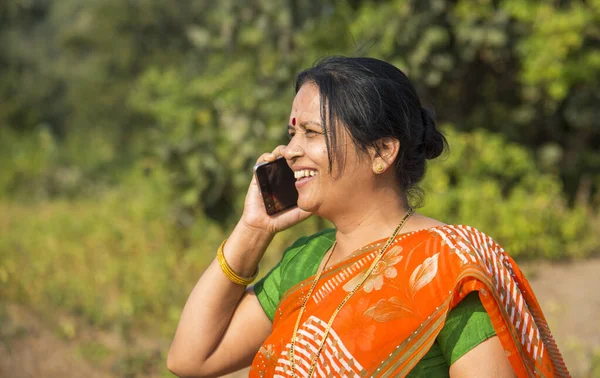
[(94, 351), (112, 261), (115, 261)]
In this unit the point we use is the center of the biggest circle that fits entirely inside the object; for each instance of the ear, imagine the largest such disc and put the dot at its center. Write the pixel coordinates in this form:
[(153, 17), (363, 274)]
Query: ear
[(386, 151)]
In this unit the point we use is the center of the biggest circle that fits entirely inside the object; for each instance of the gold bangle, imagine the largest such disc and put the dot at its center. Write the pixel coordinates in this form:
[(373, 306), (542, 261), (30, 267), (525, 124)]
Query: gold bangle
[(233, 276)]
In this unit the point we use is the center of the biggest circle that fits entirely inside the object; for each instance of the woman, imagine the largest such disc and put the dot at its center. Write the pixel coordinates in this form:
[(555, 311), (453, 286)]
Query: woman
[(388, 292)]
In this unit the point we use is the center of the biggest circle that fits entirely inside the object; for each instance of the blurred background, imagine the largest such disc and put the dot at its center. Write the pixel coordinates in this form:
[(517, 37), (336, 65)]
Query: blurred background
[(128, 132)]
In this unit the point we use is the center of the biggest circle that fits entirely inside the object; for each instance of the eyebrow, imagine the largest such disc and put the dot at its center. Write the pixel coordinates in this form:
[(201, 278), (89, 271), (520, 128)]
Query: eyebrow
[(306, 123)]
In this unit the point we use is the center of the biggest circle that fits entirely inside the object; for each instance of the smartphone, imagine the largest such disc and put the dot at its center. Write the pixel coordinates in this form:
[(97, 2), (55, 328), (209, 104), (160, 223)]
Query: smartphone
[(277, 186)]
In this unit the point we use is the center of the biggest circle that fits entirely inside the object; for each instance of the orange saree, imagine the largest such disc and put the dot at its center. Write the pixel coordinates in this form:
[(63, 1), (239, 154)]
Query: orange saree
[(393, 319)]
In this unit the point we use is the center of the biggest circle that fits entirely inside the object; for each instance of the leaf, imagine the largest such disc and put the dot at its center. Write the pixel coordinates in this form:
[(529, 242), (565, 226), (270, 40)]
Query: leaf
[(350, 285), (393, 257), (388, 310), (424, 273)]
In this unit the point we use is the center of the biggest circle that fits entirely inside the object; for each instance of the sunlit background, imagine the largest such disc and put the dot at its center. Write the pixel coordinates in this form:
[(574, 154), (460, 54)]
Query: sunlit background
[(128, 131)]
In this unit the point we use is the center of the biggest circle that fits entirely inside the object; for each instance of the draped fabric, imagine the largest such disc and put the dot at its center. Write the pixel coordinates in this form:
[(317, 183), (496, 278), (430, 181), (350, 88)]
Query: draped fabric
[(393, 319)]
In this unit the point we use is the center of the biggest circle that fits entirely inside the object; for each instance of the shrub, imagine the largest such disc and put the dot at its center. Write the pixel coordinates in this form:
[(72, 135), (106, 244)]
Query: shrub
[(494, 185)]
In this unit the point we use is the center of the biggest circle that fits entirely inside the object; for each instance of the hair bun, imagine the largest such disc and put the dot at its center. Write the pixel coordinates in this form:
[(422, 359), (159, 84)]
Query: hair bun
[(434, 142)]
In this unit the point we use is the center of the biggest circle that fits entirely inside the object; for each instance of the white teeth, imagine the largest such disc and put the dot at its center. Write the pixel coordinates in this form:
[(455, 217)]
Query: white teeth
[(304, 173)]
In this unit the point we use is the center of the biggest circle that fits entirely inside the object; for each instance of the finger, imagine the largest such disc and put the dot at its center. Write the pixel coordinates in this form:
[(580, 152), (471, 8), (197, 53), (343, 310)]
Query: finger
[(302, 215), (278, 150), (294, 215), (266, 157), (253, 182)]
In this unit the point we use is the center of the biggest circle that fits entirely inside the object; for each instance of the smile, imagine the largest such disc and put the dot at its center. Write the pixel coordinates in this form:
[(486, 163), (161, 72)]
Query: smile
[(303, 173)]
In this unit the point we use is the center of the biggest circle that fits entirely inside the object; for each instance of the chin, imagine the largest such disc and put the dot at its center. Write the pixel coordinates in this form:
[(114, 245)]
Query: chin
[(309, 206)]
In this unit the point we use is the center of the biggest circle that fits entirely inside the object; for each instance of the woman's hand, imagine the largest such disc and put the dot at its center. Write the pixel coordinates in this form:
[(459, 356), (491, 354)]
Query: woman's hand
[(255, 216)]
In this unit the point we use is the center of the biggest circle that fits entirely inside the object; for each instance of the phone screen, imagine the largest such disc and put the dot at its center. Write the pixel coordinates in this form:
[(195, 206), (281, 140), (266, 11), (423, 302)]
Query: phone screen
[(277, 185)]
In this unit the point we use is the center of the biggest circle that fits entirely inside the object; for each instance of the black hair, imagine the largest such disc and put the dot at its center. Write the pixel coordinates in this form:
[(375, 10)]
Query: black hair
[(373, 99)]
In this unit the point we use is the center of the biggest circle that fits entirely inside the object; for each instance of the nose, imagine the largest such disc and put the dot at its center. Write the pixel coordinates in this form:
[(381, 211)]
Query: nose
[(291, 151)]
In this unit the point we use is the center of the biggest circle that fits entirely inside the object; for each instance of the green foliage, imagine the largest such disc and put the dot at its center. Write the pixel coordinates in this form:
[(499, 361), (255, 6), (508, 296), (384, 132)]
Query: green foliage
[(94, 351), (494, 185), (23, 160), (205, 145), (144, 76), (74, 255), (36, 166), (569, 63), (209, 124), (523, 68)]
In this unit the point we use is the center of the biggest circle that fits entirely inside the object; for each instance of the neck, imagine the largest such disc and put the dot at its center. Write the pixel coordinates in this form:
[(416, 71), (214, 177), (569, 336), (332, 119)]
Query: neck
[(360, 225)]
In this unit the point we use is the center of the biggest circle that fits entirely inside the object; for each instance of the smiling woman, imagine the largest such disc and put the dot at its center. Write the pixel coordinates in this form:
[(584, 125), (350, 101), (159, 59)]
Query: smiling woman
[(388, 291)]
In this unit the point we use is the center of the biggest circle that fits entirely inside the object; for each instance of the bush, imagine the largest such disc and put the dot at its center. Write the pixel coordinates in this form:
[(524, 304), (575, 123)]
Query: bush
[(36, 165), (494, 185)]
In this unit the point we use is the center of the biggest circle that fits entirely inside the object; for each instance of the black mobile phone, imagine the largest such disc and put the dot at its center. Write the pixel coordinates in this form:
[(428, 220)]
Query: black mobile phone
[(277, 186)]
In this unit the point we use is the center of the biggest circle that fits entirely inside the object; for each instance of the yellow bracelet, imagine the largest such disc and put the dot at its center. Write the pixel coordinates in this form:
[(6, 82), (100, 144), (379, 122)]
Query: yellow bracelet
[(233, 276)]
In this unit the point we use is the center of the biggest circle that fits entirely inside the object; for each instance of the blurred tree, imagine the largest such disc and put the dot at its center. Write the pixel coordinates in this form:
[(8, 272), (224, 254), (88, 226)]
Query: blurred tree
[(559, 50), (29, 84), (527, 69), (105, 46), (524, 208), (214, 119), (205, 87)]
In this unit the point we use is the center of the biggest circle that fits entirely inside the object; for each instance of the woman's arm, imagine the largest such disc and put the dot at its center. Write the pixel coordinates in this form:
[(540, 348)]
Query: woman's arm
[(222, 324), (485, 360), (469, 342)]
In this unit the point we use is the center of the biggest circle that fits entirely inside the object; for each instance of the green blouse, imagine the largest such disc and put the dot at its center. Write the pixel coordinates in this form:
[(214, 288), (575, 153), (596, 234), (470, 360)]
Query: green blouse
[(467, 324)]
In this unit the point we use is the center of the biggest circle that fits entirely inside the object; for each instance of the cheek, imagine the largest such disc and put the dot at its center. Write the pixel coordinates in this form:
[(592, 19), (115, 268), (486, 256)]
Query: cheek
[(317, 151)]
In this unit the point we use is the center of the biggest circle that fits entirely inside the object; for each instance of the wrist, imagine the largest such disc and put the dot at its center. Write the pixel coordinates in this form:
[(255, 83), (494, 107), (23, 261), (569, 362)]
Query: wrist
[(254, 232), (245, 248), (228, 271)]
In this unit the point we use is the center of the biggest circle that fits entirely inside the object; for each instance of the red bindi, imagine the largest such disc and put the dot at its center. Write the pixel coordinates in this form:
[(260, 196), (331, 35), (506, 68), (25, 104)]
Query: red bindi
[(294, 121)]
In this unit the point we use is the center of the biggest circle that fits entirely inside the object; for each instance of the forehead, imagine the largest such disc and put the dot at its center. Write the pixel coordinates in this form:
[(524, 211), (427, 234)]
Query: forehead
[(307, 103)]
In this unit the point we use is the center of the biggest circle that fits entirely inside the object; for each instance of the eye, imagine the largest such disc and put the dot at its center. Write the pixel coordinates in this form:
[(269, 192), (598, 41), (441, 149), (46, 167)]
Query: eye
[(291, 131), (312, 133)]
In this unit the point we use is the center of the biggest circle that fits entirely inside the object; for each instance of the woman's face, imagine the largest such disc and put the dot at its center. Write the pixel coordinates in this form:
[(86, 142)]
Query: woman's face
[(320, 191)]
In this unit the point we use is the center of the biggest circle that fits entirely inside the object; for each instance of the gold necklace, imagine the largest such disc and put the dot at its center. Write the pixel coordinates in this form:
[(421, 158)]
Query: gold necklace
[(313, 362)]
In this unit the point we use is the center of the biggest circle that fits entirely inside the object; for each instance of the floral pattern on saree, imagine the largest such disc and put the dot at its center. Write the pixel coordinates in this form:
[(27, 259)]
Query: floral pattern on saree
[(392, 321)]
